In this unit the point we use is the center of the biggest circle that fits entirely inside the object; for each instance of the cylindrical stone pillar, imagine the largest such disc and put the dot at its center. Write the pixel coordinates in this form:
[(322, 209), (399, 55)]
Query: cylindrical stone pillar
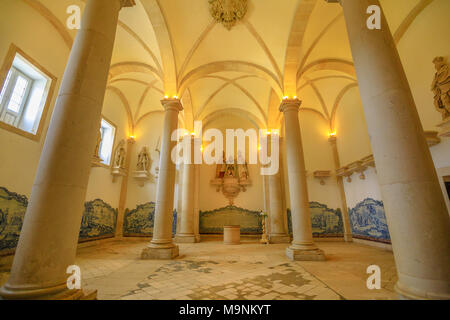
[(417, 217), (162, 246), (186, 231), (49, 236), (345, 217), (302, 247), (278, 232)]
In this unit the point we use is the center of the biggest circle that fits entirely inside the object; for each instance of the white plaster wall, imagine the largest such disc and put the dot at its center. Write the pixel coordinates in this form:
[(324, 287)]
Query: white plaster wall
[(19, 155), (147, 134), (359, 189), (19, 24)]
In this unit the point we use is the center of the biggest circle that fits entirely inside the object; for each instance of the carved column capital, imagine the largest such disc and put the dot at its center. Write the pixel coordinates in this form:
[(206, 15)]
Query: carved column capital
[(334, 1), (290, 105), (172, 104), (127, 3)]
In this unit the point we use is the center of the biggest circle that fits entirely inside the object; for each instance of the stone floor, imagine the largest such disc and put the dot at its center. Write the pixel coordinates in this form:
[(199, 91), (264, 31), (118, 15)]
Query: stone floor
[(211, 270)]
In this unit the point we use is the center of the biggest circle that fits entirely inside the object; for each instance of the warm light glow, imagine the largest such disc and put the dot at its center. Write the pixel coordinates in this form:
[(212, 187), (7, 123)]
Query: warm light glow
[(295, 97), (285, 97), (192, 133), (333, 134), (201, 149), (175, 97), (259, 148), (166, 97)]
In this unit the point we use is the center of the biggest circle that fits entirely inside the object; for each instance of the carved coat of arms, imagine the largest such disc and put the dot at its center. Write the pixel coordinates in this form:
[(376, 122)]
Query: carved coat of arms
[(228, 12)]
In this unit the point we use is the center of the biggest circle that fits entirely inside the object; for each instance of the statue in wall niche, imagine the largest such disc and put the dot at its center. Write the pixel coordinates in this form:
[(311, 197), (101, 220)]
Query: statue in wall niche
[(242, 168), (230, 168), (143, 160), (119, 156), (441, 87)]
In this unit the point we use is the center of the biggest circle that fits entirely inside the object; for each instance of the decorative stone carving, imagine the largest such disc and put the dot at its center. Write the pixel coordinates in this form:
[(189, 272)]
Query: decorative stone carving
[(142, 173), (96, 160), (264, 238), (232, 176), (441, 87), (359, 166), (321, 175), (118, 167), (228, 12)]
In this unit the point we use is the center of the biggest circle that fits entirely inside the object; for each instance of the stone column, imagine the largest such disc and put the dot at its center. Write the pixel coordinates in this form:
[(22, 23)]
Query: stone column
[(415, 209), (48, 240), (278, 233), (161, 246), (302, 247), (186, 232), (340, 183), (124, 190)]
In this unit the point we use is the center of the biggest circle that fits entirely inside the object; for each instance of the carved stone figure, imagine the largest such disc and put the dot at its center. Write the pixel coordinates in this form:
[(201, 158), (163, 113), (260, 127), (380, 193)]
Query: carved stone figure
[(143, 160), (97, 146), (441, 87), (119, 156)]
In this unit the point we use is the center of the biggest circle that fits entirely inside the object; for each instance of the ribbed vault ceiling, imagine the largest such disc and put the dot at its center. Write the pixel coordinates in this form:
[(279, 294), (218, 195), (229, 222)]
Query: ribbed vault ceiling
[(285, 47)]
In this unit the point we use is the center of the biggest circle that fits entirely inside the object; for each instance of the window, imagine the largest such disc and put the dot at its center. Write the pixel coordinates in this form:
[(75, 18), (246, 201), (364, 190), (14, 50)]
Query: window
[(108, 133), (24, 95), (447, 185)]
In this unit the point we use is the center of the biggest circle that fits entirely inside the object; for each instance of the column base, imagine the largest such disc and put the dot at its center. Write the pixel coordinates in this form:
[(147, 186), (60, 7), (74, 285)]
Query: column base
[(348, 237), (187, 238), (298, 254), (407, 293), (279, 238), (53, 293), (160, 252)]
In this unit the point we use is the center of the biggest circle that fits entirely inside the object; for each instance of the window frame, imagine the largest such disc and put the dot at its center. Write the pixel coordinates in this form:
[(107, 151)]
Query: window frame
[(6, 66)]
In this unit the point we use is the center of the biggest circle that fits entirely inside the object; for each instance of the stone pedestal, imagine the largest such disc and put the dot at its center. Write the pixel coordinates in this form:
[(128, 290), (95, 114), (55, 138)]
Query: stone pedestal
[(161, 246), (232, 235), (302, 247), (48, 240)]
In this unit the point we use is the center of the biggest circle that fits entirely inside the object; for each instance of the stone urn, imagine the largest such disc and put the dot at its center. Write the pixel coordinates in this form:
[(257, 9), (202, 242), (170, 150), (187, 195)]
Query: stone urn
[(231, 188)]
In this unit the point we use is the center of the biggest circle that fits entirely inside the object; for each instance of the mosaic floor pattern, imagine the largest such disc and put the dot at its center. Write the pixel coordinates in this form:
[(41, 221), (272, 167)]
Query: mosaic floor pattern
[(210, 270), (231, 280)]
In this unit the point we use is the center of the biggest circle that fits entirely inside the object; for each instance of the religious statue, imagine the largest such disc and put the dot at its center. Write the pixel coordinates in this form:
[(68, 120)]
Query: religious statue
[(232, 176), (143, 160), (242, 168), (441, 87), (119, 157)]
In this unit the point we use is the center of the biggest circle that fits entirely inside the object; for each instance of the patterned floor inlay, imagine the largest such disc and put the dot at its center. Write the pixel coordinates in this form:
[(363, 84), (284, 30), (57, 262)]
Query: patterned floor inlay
[(231, 280), (211, 270)]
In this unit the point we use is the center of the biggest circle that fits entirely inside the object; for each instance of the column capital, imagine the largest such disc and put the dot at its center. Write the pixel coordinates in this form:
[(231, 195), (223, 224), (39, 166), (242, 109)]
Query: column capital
[(172, 104), (332, 140), (334, 1), (127, 3), (290, 104)]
